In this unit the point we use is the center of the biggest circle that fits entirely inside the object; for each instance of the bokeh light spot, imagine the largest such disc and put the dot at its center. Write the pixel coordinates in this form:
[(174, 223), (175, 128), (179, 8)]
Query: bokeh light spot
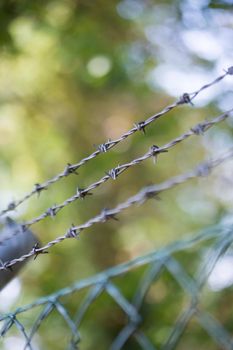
[(99, 66)]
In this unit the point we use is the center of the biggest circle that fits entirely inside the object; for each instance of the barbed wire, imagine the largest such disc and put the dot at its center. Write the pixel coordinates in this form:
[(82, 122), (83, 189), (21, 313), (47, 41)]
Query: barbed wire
[(154, 151), (157, 261), (203, 169), (103, 148)]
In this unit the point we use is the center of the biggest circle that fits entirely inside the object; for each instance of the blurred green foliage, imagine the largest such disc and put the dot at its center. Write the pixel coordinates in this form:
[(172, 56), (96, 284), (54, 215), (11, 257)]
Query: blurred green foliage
[(73, 74)]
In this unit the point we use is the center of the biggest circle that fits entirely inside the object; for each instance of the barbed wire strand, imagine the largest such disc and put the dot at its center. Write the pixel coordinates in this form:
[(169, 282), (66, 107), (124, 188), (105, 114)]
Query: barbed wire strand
[(202, 170), (140, 126), (154, 151)]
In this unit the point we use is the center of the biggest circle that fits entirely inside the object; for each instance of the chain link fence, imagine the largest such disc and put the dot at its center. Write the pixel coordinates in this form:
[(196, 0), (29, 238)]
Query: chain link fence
[(209, 246)]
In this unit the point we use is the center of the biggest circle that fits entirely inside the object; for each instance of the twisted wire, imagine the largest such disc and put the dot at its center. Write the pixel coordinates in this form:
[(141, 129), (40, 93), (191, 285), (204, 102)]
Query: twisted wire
[(203, 169), (154, 151), (140, 126)]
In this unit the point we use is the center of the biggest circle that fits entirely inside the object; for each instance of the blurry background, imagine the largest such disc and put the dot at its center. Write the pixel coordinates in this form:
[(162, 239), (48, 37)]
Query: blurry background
[(76, 73)]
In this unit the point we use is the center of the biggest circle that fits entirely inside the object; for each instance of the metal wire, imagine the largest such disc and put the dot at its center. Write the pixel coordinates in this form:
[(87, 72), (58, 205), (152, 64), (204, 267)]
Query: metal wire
[(140, 126), (203, 169), (154, 151)]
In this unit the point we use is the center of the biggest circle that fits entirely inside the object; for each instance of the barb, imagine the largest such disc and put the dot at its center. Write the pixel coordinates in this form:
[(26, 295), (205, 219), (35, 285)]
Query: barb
[(72, 168), (203, 169), (154, 151)]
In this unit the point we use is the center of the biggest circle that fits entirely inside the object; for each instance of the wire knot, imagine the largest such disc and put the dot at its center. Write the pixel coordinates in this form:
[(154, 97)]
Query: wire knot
[(73, 232), (6, 265), (82, 193), (39, 188), (70, 169), (152, 195), (113, 173), (155, 151), (199, 129), (140, 126), (185, 98), (52, 211), (24, 227), (11, 206), (104, 147), (230, 70), (36, 250), (106, 215), (203, 169)]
